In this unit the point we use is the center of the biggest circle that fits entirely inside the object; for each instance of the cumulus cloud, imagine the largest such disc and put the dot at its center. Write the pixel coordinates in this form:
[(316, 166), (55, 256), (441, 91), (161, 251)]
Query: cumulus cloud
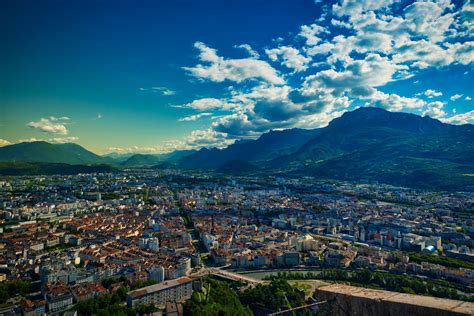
[(464, 118), (455, 97), (54, 140), (430, 93), (354, 7), (363, 46), (311, 32), (392, 101), (219, 69), (290, 57), (358, 76), (207, 138), (426, 18), (341, 24), (4, 142), (51, 125), (194, 117), (252, 53), (206, 104), (435, 110)]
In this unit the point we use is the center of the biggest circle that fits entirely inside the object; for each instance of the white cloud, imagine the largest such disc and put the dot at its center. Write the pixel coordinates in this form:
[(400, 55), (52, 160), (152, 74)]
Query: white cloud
[(54, 140), (426, 18), (63, 140), (4, 142), (464, 118), (467, 98), (219, 69), (207, 138), (463, 53), (355, 7), (290, 57), (162, 90), (455, 97), (206, 104), (358, 76), (310, 32), (368, 44), (435, 110), (423, 54), (341, 24), (194, 117), (430, 93), (393, 102), (52, 125), (252, 53)]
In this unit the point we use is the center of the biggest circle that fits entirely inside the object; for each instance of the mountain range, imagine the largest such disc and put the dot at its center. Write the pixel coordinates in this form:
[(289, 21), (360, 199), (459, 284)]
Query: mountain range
[(367, 144)]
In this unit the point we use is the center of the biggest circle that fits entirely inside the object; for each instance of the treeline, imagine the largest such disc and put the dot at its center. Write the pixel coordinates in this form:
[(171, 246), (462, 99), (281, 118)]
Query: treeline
[(381, 280), (277, 295), (218, 299), (444, 261), (11, 289)]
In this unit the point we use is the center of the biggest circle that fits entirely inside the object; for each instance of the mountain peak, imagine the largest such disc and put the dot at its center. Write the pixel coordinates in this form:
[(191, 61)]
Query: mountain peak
[(366, 117)]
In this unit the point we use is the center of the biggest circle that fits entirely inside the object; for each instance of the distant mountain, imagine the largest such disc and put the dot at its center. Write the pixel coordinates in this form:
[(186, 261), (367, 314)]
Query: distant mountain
[(50, 153), (267, 146), (372, 144), (147, 160), (118, 157), (141, 160), (367, 144), (176, 155), (15, 168)]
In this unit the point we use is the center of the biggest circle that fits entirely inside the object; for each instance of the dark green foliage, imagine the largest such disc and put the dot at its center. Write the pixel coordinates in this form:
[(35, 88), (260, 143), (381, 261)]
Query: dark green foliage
[(108, 304), (445, 261), (18, 168), (222, 301), (277, 295), (112, 280), (382, 280), (13, 288)]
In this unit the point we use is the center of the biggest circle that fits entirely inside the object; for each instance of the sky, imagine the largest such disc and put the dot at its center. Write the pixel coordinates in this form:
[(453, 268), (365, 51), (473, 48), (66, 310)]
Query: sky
[(155, 76)]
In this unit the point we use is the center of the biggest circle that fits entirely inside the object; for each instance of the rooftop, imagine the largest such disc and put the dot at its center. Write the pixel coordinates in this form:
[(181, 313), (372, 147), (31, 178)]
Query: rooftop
[(159, 287)]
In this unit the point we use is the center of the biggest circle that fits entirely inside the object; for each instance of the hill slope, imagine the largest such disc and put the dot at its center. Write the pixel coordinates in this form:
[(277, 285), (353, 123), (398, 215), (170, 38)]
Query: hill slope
[(267, 146), (50, 153), (396, 148)]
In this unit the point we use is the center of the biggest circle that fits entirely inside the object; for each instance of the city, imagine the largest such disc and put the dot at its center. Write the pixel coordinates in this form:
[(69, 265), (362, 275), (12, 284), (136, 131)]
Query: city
[(75, 238), (237, 158)]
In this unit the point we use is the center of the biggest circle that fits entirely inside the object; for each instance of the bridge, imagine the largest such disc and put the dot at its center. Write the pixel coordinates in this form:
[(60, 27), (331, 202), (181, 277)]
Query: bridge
[(228, 275), (234, 276)]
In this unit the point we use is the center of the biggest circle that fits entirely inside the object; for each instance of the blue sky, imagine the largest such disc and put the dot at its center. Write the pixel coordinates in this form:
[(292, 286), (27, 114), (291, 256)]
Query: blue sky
[(153, 76)]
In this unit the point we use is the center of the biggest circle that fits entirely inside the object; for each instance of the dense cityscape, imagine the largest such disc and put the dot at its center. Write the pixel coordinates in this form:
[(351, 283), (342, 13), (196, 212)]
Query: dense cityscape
[(150, 239), (237, 158)]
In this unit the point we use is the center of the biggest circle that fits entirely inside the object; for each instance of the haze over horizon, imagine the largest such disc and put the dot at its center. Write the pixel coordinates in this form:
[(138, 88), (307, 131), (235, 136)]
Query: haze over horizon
[(157, 76)]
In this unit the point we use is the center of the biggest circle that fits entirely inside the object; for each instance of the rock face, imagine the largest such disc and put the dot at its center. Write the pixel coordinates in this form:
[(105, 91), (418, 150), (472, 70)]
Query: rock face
[(344, 300)]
